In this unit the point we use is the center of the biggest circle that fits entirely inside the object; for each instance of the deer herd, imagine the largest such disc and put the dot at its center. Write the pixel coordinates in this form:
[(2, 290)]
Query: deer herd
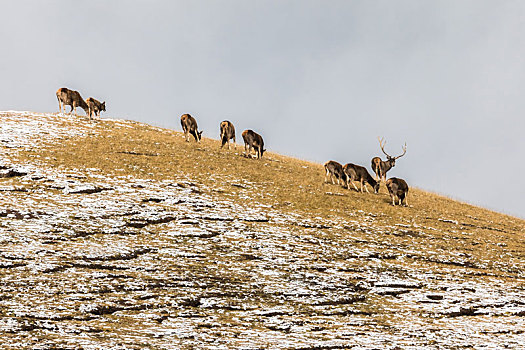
[(348, 173), (72, 98), (343, 174)]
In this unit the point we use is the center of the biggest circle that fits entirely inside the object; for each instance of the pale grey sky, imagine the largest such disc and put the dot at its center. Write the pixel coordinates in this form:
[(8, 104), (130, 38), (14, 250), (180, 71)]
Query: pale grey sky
[(319, 80)]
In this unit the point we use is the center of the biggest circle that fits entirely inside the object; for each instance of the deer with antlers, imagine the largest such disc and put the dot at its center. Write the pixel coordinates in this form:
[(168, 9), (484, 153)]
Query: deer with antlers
[(379, 166)]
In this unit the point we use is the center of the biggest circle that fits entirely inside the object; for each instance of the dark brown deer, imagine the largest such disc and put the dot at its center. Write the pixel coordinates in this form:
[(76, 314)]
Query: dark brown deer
[(95, 107), (334, 170), (381, 167), (398, 190), (359, 173), (71, 98), (227, 133), (255, 141), (189, 126)]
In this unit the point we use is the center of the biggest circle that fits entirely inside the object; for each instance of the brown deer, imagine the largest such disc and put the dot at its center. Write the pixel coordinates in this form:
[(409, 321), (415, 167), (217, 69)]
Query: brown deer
[(71, 98), (255, 141), (398, 189), (381, 167), (95, 107), (227, 133), (189, 126), (334, 170), (359, 173)]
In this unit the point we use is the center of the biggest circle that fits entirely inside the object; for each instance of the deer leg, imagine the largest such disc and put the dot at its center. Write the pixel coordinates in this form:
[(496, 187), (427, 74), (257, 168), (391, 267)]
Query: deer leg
[(234, 143), (366, 188), (353, 184)]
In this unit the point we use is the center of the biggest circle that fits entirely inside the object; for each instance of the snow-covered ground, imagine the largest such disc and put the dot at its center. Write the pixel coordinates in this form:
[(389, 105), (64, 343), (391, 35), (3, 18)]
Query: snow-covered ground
[(97, 262)]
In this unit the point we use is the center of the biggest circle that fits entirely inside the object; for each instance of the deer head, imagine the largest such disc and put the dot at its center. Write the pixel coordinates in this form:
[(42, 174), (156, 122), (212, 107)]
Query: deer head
[(390, 159)]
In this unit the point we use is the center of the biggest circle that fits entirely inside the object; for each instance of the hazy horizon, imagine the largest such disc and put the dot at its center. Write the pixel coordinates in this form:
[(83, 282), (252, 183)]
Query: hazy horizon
[(318, 80)]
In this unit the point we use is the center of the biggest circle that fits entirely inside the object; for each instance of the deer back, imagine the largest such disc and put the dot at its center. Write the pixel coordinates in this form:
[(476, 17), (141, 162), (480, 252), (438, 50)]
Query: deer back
[(227, 130)]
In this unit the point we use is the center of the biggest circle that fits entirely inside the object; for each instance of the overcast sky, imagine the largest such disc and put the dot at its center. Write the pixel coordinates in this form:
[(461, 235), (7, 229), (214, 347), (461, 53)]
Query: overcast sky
[(318, 80)]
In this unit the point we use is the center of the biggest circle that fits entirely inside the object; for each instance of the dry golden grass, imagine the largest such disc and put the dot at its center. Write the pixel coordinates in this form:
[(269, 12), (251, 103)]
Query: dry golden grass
[(286, 182), (436, 242)]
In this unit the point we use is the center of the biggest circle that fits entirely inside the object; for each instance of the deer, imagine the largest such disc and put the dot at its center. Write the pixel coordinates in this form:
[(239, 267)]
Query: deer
[(255, 141), (227, 133), (189, 126), (95, 107), (71, 98), (334, 170), (398, 189), (379, 166), (359, 173)]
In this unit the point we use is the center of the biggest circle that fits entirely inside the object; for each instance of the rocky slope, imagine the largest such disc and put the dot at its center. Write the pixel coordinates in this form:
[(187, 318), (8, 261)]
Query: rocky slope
[(94, 257)]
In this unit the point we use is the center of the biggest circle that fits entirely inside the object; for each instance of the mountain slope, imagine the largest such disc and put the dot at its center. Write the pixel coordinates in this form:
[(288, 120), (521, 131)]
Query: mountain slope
[(119, 234)]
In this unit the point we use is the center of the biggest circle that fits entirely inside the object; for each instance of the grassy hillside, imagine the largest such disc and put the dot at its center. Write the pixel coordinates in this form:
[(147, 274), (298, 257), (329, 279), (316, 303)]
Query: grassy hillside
[(120, 234)]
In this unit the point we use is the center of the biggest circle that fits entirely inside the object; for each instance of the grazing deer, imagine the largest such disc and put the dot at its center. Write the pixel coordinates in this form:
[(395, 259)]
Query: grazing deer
[(359, 173), (334, 170), (95, 107), (381, 167), (71, 98), (227, 133), (255, 141), (189, 126), (398, 189)]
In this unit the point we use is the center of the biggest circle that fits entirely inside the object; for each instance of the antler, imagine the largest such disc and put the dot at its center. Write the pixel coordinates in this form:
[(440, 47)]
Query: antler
[(382, 145), (404, 151)]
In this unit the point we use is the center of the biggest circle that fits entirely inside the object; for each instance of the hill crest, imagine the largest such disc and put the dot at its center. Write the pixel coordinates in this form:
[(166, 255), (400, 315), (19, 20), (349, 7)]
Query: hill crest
[(182, 243)]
